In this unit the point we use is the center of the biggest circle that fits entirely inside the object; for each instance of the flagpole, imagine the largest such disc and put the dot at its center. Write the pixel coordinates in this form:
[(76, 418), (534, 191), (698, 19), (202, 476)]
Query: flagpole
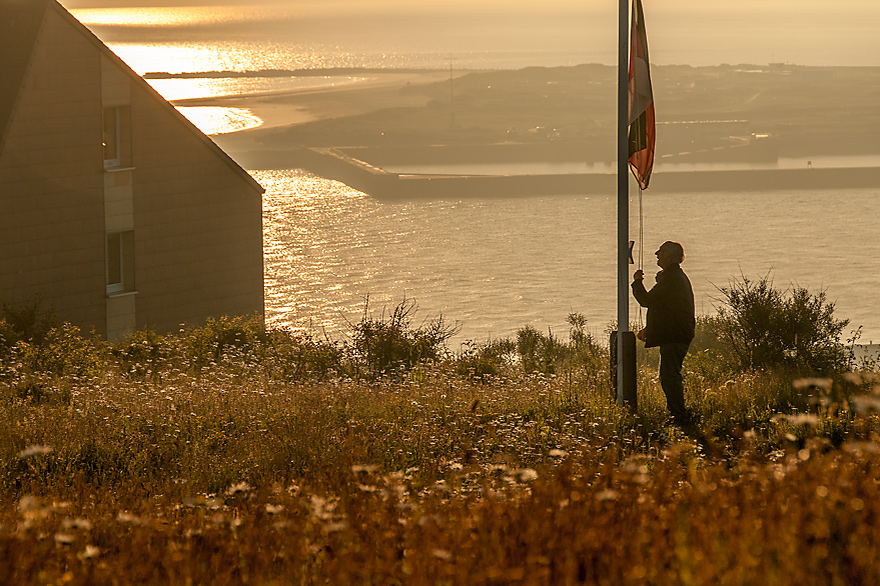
[(626, 393)]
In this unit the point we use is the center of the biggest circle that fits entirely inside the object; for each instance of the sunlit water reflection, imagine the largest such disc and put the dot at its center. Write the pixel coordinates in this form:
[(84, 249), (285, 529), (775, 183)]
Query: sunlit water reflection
[(498, 264)]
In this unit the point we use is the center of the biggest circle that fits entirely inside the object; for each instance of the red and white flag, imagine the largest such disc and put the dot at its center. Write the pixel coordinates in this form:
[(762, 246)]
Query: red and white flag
[(641, 101)]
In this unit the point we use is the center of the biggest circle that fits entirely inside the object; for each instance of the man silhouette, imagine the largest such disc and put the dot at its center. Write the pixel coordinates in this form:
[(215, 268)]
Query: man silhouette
[(669, 323)]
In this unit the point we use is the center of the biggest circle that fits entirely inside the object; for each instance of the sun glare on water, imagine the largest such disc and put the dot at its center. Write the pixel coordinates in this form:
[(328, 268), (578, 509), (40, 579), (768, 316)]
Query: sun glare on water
[(217, 120), (167, 17)]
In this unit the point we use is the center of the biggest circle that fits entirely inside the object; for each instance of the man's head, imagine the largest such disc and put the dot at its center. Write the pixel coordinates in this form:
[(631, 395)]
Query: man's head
[(669, 253)]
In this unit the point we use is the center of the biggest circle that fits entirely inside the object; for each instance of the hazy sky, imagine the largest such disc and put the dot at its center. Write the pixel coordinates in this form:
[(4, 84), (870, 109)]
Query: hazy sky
[(808, 32), (856, 10)]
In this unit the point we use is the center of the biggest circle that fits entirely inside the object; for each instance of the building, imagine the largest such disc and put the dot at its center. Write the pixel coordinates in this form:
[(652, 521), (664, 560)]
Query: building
[(114, 209)]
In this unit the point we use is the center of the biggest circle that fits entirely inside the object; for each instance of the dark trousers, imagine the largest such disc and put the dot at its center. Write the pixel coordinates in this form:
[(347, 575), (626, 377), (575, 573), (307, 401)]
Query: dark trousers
[(671, 359)]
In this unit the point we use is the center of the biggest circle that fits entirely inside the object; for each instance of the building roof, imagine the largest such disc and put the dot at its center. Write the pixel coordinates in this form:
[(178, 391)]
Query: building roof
[(20, 24)]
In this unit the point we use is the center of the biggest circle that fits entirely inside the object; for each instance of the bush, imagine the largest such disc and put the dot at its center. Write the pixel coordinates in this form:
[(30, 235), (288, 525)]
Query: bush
[(299, 356), (28, 322), (547, 354), (482, 360), (145, 353), (386, 345), (766, 327), (65, 351), (208, 344), (537, 352)]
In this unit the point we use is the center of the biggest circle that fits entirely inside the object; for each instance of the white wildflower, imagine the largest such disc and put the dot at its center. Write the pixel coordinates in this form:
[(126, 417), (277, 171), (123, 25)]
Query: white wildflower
[(798, 419), (78, 523), (525, 474), (441, 554), (866, 404), (238, 487), (823, 384), (607, 495), (334, 527), (89, 552), (29, 504), (125, 517), (34, 451)]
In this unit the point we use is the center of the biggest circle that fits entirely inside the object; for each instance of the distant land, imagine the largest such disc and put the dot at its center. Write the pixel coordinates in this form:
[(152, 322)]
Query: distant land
[(704, 114)]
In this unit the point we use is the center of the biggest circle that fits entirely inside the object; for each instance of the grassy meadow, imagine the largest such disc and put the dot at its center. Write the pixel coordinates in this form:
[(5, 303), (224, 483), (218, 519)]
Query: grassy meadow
[(228, 454)]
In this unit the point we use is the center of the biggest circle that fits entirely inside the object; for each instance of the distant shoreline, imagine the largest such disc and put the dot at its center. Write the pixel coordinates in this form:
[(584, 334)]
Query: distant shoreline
[(318, 72), (288, 139), (342, 165)]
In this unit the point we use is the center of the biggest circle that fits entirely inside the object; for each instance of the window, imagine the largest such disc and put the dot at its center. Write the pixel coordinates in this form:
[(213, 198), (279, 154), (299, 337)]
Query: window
[(112, 155), (117, 137), (120, 262)]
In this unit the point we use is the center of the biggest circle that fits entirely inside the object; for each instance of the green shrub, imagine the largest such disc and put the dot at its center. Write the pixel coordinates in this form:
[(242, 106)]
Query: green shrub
[(537, 352), (299, 356), (65, 352), (383, 345), (146, 353), (766, 327), (28, 322), (483, 360), (208, 344), (550, 355)]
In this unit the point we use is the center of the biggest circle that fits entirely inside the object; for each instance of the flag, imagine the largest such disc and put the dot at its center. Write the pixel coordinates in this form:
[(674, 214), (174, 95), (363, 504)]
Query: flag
[(641, 101)]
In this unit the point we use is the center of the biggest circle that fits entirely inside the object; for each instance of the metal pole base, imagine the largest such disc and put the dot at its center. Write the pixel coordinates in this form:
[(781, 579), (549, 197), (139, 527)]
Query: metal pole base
[(623, 382)]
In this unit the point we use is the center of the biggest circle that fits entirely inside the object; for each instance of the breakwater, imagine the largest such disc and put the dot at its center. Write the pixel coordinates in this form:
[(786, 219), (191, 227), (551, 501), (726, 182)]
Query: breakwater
[(342, 165)]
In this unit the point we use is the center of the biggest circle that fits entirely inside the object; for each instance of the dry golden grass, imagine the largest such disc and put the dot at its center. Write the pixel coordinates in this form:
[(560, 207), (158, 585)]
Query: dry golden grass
[(225, 473)]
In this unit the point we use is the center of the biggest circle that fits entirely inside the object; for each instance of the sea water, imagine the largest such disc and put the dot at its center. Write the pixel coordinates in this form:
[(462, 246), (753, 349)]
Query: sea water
[(497, 264)]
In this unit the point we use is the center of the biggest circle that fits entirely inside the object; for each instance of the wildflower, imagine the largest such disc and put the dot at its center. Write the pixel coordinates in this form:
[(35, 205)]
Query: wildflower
[(607, 495), (89, 552), (441, 554), (364, 468), (124, 517), (557, 453), (274, 509), (859, 447), (34, 451), (238, 487), (798, 419), (525, 474), (64, 539), (78, 523), (823, 384), (866, 404), (334, 527), (28, 504)]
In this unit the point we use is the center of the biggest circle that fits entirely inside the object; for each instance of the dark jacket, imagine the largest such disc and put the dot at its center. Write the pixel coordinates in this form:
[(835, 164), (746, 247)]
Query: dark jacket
[(670, 306)]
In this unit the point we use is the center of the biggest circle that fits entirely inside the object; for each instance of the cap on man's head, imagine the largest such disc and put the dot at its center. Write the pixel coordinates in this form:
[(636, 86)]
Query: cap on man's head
[(675, 249)]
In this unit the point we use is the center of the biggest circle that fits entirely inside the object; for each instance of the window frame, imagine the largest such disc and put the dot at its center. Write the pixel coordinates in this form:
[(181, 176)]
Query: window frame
[(119, 262), (115, 134)]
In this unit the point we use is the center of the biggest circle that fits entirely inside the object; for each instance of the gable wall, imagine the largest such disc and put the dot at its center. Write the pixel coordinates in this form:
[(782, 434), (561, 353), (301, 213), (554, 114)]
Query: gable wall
[(195, 216), (198, 223), (51, 182)]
